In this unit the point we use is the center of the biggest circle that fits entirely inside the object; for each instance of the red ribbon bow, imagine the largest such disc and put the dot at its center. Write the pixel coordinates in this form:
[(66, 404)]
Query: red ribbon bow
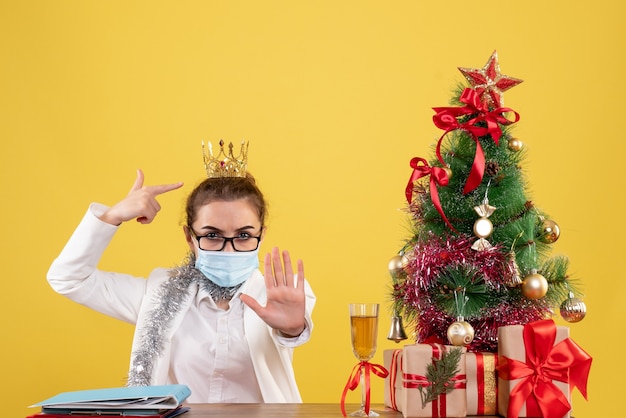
[(366, 368), (438, 176), (565, 362), (446, 119)]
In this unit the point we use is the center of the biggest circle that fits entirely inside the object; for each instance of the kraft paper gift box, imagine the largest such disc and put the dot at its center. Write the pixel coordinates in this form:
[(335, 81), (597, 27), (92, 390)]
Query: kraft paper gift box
[(482, 383), (415, 360), (392, 360), (538, 367)]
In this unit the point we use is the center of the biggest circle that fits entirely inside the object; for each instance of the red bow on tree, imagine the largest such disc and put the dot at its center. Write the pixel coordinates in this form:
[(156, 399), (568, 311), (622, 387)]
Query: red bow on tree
[(565, 362), (438, 176), (446, 118)]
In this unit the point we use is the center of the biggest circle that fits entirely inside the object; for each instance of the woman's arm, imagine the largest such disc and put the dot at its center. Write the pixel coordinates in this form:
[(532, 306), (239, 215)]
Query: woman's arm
[(74, 272)]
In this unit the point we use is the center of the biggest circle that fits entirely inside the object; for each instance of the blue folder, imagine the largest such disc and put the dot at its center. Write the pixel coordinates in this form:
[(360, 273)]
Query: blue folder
[(144, 399)]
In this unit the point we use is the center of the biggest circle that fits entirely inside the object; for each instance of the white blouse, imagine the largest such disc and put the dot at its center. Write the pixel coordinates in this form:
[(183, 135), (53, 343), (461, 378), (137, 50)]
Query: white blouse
[(211, 356)]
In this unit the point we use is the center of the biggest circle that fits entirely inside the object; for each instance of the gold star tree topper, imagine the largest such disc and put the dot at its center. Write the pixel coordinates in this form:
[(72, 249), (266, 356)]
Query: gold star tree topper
[(489, 82)]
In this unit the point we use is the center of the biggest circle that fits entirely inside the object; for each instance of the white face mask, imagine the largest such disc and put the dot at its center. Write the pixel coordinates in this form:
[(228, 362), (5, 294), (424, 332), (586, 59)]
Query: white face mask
[(227, 269)]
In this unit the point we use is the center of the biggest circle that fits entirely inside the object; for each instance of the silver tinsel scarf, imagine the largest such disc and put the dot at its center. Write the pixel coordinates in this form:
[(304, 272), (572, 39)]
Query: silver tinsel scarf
[(171, 296)]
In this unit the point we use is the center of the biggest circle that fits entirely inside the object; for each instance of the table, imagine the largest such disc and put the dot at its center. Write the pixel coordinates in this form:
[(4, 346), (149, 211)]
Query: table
[(281, 410)]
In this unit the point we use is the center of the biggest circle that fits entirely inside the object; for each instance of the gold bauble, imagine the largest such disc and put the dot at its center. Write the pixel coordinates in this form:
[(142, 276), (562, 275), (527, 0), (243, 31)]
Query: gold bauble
[(460, 333), (573, 309), (515, 144), (448, 171), (396, 265), (550, 231), (483, 227), (534, 286)]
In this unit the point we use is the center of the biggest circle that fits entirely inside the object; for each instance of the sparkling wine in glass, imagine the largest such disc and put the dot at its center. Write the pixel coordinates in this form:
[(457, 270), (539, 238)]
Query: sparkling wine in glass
[(364, 332)]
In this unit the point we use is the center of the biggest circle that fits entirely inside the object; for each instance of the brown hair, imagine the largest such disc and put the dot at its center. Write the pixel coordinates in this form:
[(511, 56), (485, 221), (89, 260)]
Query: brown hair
[(226, 189)]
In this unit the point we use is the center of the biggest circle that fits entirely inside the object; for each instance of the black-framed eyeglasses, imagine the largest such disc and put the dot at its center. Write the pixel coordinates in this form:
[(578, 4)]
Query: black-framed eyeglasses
[(243, 242)]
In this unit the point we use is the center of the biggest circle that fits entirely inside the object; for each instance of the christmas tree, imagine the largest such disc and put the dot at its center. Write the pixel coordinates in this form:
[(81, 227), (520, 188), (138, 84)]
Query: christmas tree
[(479, 252)]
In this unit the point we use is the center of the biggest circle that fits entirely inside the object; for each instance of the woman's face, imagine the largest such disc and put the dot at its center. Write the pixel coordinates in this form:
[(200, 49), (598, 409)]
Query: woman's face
[(226, 219)]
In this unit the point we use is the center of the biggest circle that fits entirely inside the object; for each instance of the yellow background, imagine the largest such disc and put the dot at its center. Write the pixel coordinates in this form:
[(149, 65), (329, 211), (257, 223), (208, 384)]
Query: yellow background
[(335, 98)]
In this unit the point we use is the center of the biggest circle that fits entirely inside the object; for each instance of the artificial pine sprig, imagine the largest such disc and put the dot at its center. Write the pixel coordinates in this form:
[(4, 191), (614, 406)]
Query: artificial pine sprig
[(457, 278), (439, 374), (555, 270)]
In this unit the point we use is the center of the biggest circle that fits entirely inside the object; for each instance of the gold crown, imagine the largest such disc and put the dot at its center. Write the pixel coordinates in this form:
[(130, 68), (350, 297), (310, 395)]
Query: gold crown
[(225, 164)]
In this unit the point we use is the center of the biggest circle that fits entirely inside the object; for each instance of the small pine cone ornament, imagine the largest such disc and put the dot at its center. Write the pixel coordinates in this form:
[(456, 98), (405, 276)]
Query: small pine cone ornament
[(492, 169)]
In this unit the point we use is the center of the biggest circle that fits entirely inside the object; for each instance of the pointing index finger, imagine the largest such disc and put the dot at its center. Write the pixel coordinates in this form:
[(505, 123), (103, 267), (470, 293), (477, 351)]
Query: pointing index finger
[(164, 188), (153, 190)]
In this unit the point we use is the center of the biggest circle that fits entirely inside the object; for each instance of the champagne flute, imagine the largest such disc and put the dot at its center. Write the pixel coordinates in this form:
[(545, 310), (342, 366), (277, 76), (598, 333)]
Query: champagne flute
[(364, 330)]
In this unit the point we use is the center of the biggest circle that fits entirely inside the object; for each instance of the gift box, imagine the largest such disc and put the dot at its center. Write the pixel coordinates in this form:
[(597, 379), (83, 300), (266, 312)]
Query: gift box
[(420, 396), (482, 383), (538, 367), (392, 360)]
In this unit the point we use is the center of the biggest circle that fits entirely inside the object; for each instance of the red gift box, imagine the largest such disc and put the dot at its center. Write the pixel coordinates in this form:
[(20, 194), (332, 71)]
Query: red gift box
[(539, 366), (415, 360), (482, 383)]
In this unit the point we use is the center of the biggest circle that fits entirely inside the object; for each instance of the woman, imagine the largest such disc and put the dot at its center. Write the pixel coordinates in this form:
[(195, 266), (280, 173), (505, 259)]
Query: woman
[(214, 323)]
